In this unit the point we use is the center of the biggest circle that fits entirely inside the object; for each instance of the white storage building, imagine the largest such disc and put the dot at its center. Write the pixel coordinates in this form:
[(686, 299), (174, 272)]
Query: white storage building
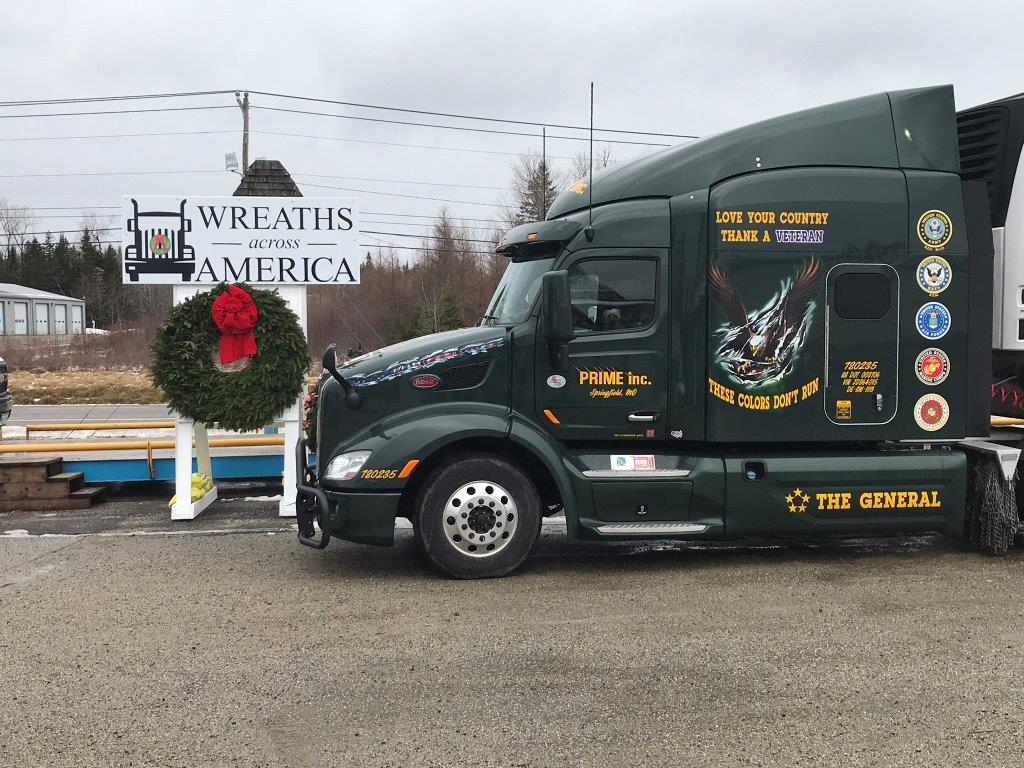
[(31, 312)]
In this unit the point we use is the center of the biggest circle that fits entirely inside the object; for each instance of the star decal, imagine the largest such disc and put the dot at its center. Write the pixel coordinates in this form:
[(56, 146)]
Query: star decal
[(797, 500)]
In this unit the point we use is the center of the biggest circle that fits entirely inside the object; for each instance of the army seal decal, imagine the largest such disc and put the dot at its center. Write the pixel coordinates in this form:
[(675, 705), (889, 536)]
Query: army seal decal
[(931, 412), (934, 275), (932, 366), (934, 230)]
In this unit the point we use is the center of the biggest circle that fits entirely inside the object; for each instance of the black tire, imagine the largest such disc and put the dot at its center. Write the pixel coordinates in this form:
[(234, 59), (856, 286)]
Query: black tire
[(437, 522)]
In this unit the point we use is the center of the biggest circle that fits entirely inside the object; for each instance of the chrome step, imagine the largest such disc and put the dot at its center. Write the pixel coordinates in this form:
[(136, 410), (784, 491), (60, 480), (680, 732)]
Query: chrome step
[(630, 474), (649, 529)]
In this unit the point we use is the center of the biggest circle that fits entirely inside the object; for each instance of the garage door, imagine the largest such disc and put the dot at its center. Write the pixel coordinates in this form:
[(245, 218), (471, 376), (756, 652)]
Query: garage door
[(76, 319), (20, 318), (42, 319), (60, 318)]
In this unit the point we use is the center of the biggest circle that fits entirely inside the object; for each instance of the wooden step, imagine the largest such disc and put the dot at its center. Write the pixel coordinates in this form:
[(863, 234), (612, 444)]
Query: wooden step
[(83, 498), (89, 495), (72, 480), (29, 469), (54, 487)]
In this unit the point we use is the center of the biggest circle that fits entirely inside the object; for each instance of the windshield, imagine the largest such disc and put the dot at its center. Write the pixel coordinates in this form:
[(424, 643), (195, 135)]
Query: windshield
[(515, 293)]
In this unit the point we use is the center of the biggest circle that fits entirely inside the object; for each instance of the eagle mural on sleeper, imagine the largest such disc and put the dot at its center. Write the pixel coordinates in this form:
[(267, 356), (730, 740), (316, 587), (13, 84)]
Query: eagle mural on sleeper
[(759, 348)]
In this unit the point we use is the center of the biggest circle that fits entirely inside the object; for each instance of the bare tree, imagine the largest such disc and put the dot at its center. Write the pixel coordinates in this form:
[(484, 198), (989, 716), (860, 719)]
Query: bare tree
[(15, 221), (580, 168)]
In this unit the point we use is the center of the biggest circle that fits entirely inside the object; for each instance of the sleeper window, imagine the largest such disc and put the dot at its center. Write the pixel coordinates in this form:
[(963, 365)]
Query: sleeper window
[(612, 294)]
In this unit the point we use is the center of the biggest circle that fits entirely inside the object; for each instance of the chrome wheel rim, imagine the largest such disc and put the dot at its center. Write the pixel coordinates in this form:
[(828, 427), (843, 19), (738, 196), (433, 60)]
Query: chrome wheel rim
[(480, 519)]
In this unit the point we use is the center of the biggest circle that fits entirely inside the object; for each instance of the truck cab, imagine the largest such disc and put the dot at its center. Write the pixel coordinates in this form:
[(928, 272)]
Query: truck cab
[(769, 332)]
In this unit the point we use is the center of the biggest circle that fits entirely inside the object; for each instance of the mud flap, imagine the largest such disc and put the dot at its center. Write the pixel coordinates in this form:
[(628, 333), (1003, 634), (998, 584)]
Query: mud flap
[(992, 518)]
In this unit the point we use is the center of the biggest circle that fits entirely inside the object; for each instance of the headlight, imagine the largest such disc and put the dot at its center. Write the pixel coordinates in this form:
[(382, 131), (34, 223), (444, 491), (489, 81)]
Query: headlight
[(346, 466)]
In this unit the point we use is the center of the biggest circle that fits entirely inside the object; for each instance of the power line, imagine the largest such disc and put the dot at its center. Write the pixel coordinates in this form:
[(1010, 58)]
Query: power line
[(465, 128), (427, 237), (400, 144), (118, 111), (96, 173), (314, 175), (470, 117), (379, 107), (69, 231), (414, 248), (402, 181), (114, 135), (396, 194), (69, 207), (86, 99)]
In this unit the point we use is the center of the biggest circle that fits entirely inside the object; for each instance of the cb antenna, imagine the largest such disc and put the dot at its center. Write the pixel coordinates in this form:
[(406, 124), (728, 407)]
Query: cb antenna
[(590, 186)]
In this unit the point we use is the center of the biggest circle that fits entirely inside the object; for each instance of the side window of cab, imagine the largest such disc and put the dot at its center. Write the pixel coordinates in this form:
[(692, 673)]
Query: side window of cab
[(613, 294)]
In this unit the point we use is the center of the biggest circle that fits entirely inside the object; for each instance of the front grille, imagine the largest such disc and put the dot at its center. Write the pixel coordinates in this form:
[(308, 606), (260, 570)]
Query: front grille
[(463, 376), (981, 134), (170, 234)]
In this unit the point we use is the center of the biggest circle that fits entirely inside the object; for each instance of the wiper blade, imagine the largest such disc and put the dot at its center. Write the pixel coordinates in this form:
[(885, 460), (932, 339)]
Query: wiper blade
[(492, 318)]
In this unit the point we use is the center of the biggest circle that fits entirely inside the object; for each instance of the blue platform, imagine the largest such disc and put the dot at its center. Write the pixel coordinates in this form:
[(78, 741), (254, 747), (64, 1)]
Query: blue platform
[(251, 467)]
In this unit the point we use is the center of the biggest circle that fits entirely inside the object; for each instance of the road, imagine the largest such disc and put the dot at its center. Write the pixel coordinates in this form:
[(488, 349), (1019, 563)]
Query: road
[(27, 414), (220, 642)]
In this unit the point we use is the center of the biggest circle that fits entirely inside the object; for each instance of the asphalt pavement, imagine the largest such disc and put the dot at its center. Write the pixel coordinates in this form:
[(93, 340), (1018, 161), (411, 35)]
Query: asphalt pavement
[(27, 414), (128, 640)]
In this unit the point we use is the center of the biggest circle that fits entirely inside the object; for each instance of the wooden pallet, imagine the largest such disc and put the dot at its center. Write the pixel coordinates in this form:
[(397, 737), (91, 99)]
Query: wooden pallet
[(34, 484)]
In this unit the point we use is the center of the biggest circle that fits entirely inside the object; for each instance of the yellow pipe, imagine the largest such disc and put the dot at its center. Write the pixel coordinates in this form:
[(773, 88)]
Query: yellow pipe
[(1006, 421), (134, 445), (98, 425)]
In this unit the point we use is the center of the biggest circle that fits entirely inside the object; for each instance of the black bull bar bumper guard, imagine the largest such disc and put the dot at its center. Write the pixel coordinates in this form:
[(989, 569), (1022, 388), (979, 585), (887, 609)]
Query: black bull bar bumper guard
[(311, 504)]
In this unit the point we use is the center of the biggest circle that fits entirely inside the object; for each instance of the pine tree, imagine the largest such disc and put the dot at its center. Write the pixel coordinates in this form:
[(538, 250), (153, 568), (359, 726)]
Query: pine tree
[(534, 188)]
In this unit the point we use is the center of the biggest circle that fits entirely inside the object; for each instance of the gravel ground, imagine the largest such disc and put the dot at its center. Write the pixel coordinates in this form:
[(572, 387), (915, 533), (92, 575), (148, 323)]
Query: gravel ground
[(228, 644)]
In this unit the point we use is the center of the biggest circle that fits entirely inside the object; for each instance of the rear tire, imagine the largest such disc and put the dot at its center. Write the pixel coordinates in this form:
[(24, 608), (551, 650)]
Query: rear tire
[(477, 516)]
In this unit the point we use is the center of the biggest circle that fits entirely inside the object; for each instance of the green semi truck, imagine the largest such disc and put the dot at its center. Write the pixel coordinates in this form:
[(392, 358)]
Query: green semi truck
[(785, 330)]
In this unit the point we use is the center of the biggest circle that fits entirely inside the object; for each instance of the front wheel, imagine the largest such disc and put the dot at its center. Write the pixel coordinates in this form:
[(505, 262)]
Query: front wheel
[(477, 516)]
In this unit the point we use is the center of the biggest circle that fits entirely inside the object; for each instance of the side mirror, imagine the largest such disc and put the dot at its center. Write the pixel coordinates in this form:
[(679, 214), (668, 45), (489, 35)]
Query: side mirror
[(557, 309), (330, 362)]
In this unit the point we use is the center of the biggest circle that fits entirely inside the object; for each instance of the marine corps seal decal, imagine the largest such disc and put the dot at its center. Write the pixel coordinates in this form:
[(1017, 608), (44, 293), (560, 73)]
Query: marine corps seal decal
[(932, 366), (931, 412)]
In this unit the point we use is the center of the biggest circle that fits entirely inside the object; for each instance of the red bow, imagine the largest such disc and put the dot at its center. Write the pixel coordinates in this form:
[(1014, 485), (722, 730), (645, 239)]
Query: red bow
[(234, 314)]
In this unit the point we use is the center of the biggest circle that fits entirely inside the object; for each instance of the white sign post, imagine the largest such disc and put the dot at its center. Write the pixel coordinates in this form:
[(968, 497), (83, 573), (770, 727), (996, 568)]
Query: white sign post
[(286, 243)]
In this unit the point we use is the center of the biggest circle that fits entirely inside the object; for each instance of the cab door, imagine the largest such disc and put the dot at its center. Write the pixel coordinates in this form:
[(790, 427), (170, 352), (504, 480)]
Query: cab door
[(610, 383), (862, 328)]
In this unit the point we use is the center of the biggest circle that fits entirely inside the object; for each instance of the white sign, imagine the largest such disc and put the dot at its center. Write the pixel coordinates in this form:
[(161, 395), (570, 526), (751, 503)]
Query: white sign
[(270, 240)]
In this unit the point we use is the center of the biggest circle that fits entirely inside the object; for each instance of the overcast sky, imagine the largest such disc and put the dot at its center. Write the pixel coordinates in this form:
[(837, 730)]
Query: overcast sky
[(675, 67)]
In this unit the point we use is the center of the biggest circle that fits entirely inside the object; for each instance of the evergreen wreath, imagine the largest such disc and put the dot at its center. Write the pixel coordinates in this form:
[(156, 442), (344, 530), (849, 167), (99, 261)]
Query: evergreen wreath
[(185, 366)]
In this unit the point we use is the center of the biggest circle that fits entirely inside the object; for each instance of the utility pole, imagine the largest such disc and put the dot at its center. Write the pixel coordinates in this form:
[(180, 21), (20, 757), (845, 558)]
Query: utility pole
[(243, 104), (544, 171)]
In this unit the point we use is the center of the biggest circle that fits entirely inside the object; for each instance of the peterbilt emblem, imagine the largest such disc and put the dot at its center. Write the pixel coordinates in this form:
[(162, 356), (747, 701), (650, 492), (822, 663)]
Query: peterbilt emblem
[(425, 381)]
